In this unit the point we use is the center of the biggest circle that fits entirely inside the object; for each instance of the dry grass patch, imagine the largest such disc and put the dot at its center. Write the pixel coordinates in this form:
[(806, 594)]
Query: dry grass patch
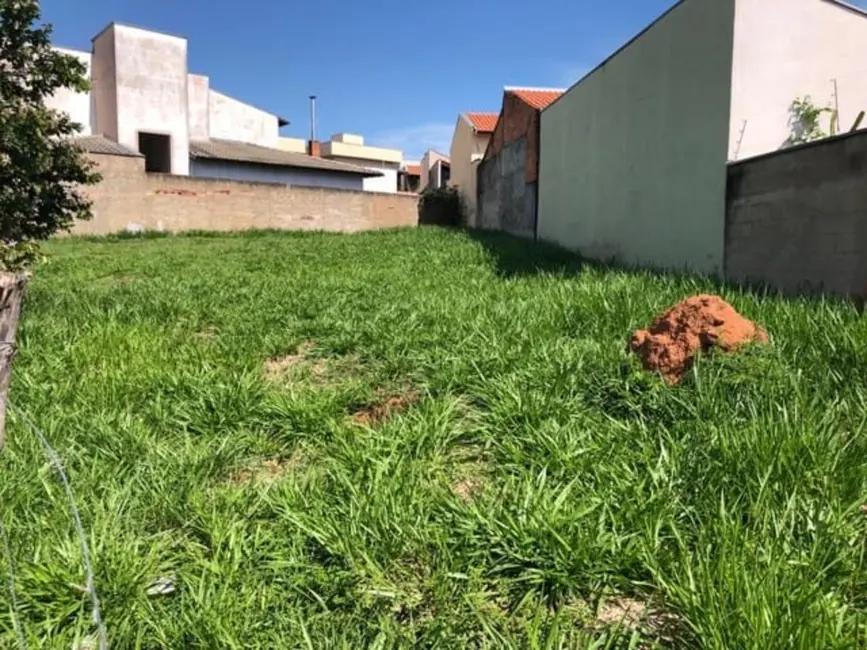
[(278, 368), (267, 470), (374, 414)]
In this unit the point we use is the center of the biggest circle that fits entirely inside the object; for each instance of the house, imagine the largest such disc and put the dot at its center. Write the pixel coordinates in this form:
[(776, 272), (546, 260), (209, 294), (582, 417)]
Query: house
[(350, 148), (507, 176), (633, 157), (409, 177), (470, 139), (144, 99), (435, 170)]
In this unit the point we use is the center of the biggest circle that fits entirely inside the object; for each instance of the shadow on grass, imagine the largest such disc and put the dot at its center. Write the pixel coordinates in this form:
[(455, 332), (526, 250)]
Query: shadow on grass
[(515, 256)]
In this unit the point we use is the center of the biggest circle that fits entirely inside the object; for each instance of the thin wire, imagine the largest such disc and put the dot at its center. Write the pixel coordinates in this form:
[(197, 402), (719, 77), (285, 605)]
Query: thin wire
[(85, 552), (16, 620)]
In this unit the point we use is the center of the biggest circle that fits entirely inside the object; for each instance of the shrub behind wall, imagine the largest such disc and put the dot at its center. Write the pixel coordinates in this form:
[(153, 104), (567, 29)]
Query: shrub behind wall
[(443, 206)]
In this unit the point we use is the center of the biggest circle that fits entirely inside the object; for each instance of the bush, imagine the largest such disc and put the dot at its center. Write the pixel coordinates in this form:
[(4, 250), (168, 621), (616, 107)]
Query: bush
[(443, 206)]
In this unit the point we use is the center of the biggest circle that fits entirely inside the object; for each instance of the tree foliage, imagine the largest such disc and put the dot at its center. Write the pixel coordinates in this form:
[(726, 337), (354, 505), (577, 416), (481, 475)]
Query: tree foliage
[(41, 169)]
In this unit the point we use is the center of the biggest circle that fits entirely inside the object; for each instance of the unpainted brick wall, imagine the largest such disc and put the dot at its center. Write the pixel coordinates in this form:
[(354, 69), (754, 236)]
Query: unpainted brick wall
[(797, 219), (507, 175), (129, 196)]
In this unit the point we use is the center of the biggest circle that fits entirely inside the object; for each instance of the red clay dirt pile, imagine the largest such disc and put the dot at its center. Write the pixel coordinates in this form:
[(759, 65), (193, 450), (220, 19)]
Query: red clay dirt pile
[(698, 323)]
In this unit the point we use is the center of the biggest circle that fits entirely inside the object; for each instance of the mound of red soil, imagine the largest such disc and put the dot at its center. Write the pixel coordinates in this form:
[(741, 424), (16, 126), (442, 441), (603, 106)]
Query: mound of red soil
[(702, 322)]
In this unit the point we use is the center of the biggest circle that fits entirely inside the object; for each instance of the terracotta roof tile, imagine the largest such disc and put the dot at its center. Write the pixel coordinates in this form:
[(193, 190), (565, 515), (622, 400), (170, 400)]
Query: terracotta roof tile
[(483, 122), (413, 169), (537, 98), (217, 149)]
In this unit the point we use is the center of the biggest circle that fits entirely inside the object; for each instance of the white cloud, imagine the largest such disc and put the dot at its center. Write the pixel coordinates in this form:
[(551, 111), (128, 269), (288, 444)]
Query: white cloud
[(415, 140)]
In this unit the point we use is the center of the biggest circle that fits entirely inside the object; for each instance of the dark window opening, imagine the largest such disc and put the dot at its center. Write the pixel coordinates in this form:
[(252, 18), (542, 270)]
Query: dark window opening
[(157, 150)]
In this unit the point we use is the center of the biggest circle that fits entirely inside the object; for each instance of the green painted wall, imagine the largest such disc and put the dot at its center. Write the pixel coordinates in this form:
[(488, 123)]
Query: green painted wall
[(633, 158)]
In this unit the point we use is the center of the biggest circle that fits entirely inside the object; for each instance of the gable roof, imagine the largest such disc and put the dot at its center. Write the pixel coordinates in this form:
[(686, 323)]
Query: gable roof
[(537, 98), (483, 122), (218, 149)]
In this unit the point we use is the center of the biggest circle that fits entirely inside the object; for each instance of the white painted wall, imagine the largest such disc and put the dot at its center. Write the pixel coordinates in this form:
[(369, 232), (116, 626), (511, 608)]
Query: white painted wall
[(238, 171), (234, 120), (76, 104), (784, 49), (104, 85), (386, 183), (632, 163), (198, 100), (151, 89)]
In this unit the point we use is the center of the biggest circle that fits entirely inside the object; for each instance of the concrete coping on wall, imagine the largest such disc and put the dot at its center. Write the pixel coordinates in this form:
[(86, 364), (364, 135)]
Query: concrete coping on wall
[(800, 147)]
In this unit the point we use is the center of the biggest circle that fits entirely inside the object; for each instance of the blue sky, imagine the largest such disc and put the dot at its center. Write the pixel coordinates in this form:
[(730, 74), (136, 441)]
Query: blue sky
[(396, 72)]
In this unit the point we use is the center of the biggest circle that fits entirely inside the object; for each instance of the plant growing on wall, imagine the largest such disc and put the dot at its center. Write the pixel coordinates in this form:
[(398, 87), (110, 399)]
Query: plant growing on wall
[(41, 170), (805, 121)]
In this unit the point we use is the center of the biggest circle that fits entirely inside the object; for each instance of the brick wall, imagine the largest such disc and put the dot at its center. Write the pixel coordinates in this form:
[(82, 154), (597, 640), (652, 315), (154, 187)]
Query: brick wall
[(797, 219), (127, 195), (518, 120)]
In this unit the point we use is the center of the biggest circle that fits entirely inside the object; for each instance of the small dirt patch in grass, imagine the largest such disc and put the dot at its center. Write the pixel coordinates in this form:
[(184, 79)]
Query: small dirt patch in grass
[(207, 333), (376, 413), (277, 368), (267, 471), (468, 487), (626, 612)]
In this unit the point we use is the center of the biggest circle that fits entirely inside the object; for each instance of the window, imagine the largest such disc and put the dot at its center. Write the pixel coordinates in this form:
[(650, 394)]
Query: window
[(157, 150)]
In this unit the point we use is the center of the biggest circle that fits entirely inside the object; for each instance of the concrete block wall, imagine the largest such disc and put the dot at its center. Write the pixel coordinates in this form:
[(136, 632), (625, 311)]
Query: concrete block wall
[(128, 196), (797, 219)]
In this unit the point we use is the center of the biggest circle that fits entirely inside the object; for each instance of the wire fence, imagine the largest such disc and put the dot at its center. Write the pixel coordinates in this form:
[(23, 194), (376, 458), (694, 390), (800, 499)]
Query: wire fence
[(57, 463)]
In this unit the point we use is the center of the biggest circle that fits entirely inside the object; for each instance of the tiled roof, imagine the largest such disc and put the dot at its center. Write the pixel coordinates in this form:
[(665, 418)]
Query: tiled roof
[(216, 149), (413, 169), (483, 122), (102, 145), (538, 98)]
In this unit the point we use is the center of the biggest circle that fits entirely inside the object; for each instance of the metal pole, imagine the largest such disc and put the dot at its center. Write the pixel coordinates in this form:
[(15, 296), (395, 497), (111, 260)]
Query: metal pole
[(312, 118)]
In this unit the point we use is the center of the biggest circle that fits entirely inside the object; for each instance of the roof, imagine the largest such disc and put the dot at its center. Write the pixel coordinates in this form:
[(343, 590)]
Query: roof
[(413, 169), (217, 149), (100, 144), (483, 122), (537, 98)]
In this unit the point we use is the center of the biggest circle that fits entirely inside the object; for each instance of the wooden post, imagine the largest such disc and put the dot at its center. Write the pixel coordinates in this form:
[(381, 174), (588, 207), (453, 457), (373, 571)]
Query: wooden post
[(12, 287)]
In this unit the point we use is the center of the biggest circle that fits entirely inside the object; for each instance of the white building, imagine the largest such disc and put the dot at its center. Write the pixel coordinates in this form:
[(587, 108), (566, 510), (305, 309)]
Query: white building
[(144, 98)]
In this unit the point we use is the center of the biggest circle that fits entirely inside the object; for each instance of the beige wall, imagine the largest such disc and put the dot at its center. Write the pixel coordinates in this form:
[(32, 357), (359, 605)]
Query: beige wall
[(295, 145), (467, 150), (427, 162), (632, 160), (128, 197), (785, 49)]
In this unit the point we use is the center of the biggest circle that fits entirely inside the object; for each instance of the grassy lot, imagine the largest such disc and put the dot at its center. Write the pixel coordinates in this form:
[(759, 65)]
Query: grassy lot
[(537, 489)]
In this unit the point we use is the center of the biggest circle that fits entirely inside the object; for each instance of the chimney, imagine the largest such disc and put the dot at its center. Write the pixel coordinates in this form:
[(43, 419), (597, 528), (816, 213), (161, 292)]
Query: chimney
[(313, 148)]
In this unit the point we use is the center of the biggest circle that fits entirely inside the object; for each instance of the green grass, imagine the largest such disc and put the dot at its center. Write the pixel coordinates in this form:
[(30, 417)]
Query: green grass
[(540, 474)]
